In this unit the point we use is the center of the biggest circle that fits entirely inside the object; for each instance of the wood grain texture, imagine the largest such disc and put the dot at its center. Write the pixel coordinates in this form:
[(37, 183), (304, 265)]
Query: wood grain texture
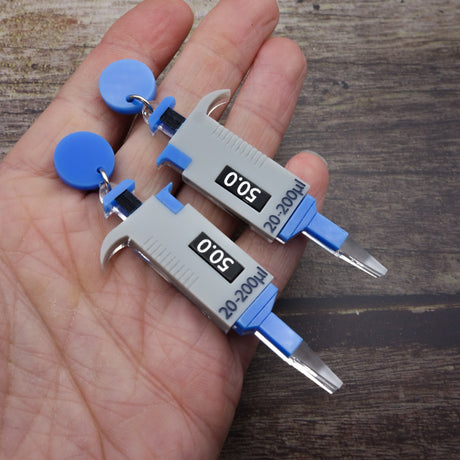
[(381, 103)]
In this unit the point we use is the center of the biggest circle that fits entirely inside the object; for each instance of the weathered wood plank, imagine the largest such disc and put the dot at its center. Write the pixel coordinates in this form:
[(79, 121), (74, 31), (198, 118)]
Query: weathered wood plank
[(400, 396), (381, 103), (379, 414)]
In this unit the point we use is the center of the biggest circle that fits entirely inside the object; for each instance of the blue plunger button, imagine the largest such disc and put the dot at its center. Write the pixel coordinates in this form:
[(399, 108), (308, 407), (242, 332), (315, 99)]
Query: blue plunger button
[(80, 156), (124, 78)]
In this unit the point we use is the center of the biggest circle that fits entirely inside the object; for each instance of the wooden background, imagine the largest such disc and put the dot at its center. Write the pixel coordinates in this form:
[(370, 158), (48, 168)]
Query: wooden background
[(381, 103)]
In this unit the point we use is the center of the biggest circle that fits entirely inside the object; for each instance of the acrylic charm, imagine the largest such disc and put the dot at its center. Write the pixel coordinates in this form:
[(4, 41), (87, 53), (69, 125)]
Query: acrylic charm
[(122, 80), (80, 157)]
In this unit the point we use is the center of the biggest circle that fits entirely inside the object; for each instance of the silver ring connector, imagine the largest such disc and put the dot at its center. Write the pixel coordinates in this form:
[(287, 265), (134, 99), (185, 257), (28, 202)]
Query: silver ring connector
[(147, 108)]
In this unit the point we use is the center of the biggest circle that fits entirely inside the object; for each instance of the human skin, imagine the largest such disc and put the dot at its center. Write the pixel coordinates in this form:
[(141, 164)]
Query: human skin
[(119, 364)]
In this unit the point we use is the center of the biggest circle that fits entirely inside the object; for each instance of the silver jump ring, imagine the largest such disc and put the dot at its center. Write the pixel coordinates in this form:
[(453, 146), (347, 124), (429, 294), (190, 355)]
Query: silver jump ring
[(141, 99), (105, 178), (147, 109)]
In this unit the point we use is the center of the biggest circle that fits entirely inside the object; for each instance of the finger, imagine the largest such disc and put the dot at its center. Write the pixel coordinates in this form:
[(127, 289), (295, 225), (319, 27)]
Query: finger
[(221, 51), (281, 260), (218, 55), (152, 32), (266, 101)]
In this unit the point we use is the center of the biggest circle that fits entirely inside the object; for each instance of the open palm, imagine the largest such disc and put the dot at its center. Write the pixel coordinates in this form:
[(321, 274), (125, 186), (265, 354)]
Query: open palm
[(119, 364)]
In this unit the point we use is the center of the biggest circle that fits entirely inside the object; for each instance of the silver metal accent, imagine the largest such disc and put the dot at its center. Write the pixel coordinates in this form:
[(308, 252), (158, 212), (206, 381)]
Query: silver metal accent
[(354, 254), (105, 186), (105, 178), (306, 361), (147, 108)]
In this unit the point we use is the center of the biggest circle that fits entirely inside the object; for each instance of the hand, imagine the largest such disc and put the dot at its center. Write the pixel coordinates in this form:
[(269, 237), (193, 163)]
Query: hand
[(120, 364)]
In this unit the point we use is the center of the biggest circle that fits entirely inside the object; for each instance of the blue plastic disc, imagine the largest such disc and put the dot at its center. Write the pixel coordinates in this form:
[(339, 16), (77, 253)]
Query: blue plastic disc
[(80, 156), (124, 78)]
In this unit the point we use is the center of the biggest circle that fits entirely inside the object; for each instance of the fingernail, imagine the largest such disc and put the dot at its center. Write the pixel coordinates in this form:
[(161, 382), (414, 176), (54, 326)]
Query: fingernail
[(319, 156)]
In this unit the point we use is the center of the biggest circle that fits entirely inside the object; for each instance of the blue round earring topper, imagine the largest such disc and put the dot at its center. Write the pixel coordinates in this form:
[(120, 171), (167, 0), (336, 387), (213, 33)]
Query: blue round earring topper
[(80, 156), (124, 78)]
